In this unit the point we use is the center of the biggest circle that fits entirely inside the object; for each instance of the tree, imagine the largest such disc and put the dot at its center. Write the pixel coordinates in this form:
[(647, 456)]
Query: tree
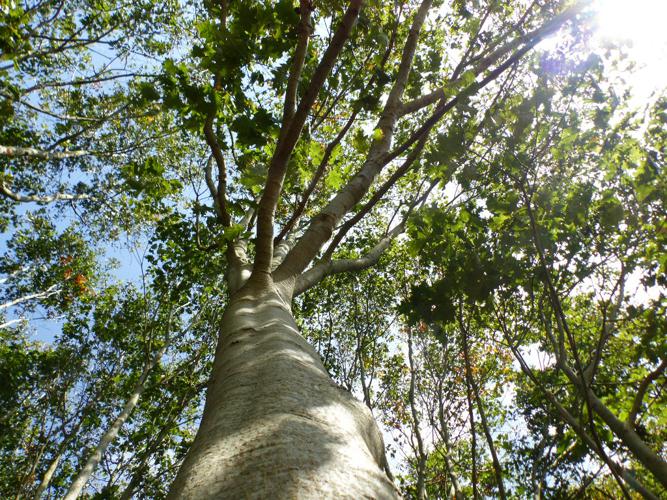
[(286, 148)]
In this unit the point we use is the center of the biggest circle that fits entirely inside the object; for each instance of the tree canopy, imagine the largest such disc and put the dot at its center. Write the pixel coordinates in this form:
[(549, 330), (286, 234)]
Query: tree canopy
[(470, 224)]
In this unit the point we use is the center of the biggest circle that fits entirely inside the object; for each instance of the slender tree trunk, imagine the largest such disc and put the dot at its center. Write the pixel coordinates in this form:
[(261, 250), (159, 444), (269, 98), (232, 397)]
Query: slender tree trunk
[(48, 475), (140, 471), (112, 432), (421, 454), (53, 466), (275, 425), (482, 416), (444, 432), (473, 439), (365, 387), (641, 451)]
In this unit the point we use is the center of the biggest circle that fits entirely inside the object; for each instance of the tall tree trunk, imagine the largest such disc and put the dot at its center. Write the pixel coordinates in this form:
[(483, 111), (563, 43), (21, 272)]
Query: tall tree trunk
[(55, 461), (112, 432), (473, 439), (48, 475), (421, 453), (446, 453), (275, 425), (482, 415)]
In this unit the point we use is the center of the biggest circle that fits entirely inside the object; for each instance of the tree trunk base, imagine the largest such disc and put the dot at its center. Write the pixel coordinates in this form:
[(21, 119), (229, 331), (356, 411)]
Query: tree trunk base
[(275, 425)]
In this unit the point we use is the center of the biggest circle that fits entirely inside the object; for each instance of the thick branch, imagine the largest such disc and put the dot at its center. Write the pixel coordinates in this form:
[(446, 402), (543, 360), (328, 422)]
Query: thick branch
[(313, 276), (322, 226), (321, 169), (641, 451), (11, 322), (219, 193), (303, 30), (278, 165), (377, 196), (111, 433)]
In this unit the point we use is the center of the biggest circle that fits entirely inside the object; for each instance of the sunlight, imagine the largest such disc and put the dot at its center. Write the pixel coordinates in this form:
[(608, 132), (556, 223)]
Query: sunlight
[(639, 24)]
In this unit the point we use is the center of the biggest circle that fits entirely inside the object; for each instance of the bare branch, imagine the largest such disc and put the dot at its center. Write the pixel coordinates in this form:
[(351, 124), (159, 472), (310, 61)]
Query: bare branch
[(314, 275), (16, 151), (98, 78), (219, 193), (52, 290), (12, 321), (20, 198)]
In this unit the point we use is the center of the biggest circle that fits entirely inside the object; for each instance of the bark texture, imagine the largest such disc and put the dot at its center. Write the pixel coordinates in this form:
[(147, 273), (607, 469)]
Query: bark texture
[(275, 425)]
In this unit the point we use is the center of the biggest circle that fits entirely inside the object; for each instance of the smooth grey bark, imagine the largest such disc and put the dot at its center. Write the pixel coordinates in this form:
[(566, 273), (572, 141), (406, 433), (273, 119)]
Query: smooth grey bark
[(48, 475), (55, 461), (275, 425), (52, 290), (112, 432)]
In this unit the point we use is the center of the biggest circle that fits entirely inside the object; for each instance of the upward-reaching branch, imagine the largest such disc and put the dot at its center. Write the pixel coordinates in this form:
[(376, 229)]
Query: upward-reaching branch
[(409, 162), (321, 169), (322, 226), (531, 38), (480, 408), (289, 138), (304, 29)]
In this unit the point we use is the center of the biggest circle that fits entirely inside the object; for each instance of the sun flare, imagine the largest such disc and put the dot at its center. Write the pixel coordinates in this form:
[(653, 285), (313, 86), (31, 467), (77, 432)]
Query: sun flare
[(639, 25), (640, 22)]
